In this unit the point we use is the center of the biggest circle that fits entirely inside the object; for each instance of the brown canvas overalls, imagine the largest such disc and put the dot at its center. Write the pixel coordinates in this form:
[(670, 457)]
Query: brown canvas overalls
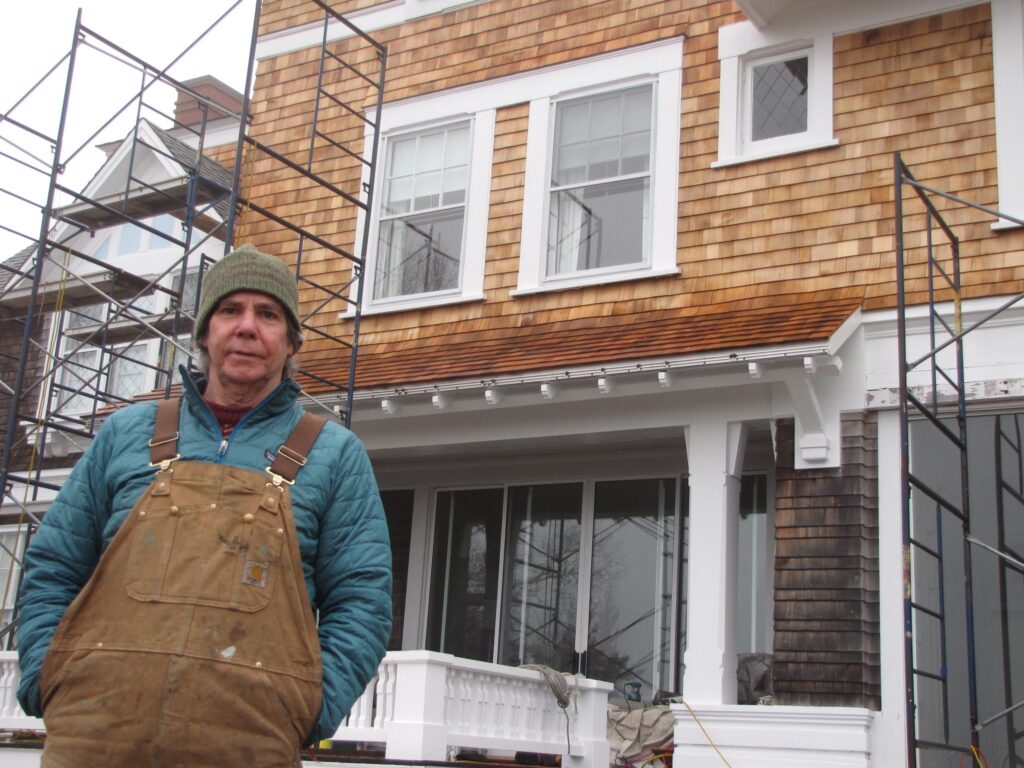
[(193, 644)]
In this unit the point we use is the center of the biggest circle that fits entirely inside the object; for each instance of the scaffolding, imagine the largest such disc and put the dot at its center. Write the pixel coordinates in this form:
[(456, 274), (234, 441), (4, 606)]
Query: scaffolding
[(116, 263), (947, 544)]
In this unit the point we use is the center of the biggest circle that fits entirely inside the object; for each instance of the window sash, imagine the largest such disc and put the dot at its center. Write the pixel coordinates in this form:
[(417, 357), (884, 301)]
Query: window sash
[(421, 228), (599, 201)]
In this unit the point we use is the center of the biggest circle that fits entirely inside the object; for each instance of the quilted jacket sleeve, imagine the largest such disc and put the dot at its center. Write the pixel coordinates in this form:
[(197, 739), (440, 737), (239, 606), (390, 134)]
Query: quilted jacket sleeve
[(353, 585), (60, 559)]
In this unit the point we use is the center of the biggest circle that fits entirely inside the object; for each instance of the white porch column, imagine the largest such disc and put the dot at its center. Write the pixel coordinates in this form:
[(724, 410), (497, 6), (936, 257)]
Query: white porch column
[(714, 451), (418, 730)]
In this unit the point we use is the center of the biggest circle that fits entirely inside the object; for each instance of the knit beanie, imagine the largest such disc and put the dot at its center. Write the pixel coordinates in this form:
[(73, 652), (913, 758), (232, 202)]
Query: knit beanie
[(246, 269)]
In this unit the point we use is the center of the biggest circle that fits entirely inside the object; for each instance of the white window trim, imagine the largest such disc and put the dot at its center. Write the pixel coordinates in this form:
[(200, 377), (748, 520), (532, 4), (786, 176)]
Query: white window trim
[(741, 47), (474, 245), (661, 65), (1008, 63)]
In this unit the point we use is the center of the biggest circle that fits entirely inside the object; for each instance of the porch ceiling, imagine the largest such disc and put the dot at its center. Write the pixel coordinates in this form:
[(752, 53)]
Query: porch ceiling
[(466, 354)]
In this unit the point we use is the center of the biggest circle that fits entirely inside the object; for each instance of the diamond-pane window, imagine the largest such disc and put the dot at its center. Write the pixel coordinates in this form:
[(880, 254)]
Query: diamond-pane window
[(779, 99), (127, 373)]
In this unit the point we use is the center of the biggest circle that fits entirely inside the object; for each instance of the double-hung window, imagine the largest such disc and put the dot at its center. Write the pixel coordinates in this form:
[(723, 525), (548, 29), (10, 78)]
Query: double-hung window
[(601, 188), (423, 213), (599, 208)]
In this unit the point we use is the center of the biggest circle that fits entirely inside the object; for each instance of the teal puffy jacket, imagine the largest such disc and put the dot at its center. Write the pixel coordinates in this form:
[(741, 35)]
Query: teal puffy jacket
[(343, 536)]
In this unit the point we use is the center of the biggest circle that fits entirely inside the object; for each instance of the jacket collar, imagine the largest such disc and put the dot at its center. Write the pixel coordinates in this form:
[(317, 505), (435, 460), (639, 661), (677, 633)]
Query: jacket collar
[(279, 400)]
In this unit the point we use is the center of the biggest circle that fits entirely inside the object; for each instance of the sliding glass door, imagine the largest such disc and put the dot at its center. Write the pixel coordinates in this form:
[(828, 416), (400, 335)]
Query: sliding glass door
[(581, 576)]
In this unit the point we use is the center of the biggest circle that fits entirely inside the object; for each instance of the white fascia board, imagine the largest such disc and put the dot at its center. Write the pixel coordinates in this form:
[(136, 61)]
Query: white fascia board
[(809, 20), (167, 168)]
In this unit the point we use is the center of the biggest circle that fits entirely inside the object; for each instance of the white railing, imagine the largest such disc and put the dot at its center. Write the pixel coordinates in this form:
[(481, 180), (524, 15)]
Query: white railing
[(424, 702), (11, 716)]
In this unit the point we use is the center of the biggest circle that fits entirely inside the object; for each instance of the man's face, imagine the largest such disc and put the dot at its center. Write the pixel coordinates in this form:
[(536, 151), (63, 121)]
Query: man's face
[(247, 342)]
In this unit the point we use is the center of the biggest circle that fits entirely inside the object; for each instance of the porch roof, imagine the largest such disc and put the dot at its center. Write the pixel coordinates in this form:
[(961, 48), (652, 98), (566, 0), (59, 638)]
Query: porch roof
[(592, 341)]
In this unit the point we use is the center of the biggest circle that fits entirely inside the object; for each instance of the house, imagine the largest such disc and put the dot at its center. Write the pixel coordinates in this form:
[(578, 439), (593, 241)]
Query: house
[(113, 305), (628, 363), (630, 357)]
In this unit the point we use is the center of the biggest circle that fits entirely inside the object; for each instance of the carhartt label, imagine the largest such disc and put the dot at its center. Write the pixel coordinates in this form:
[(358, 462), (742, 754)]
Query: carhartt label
[(255, 574)]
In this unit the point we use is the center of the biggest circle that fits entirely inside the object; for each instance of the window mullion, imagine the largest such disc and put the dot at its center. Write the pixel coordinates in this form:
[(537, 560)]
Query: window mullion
[(586, 560), (499, 597)]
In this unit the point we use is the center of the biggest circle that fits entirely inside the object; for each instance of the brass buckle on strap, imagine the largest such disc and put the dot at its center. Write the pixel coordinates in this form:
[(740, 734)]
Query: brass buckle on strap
[(165, 463), (278, 479), (292, 456), (153, 442)]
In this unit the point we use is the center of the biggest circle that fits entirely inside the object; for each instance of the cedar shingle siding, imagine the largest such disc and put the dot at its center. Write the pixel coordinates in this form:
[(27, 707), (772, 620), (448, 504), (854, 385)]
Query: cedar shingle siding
[(826, 573), (779, 231)]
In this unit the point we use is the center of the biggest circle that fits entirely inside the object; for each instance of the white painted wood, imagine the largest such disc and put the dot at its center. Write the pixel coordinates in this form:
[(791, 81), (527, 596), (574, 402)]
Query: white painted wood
[(425, 703), (709, 676), (770, 737), (11, 715)]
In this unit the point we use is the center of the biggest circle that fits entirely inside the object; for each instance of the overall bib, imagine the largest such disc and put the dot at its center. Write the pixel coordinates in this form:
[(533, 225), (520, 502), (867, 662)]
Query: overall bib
[(193, 643)]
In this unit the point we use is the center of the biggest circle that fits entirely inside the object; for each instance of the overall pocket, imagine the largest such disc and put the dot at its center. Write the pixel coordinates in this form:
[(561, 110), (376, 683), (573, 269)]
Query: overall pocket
[(205, 555)]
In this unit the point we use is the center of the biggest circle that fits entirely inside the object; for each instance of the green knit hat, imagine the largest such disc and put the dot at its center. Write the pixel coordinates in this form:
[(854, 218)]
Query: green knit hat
[(246, 269)]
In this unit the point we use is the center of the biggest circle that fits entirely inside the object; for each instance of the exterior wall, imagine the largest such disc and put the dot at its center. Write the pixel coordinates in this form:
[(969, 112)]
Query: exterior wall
[(766, 232), (826, 573)]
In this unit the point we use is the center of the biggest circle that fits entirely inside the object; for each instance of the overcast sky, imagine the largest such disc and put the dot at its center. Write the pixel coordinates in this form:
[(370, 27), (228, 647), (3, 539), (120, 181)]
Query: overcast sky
[(35, 34)]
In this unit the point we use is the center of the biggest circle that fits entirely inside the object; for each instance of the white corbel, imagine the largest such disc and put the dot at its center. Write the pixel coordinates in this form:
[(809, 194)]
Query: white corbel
[(816, 430), (831, 365), (389, 406), (440, 401), (549, 390), (493, 396), (605, 385), (665, 379)]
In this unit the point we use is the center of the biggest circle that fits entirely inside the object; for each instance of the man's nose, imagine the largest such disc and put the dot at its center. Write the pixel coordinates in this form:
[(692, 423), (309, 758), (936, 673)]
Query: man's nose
[(246, 321)]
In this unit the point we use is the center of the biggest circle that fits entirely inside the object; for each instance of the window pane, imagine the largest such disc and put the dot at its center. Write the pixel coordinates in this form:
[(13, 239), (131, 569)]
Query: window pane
[(127, 376), (592, 133), (604, 225), (131, 239), (779, 99), (173, 358), (85, 315), (13, 543), (78, 376), (419, 254), (465, 569), (753, 567), (631, 588), (428, 174), (541, 576)]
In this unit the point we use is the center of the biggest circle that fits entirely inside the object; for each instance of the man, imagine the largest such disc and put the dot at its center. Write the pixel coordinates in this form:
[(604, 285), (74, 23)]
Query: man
[(190, 551)]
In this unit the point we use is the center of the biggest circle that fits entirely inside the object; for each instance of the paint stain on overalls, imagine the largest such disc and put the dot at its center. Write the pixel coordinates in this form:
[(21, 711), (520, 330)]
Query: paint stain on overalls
[(193, 644)]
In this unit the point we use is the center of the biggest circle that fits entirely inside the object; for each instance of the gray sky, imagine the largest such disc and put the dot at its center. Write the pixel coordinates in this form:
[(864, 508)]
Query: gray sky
[(35, 35)]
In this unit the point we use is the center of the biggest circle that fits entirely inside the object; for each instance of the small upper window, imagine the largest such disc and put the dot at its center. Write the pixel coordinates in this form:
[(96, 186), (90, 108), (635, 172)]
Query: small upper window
[(599, 206), (778, 98), (775, 99), (420, 241)]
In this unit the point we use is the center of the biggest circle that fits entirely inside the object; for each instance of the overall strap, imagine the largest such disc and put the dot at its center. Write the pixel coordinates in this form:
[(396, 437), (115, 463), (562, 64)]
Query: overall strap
[(163, 446), (291, 457)]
